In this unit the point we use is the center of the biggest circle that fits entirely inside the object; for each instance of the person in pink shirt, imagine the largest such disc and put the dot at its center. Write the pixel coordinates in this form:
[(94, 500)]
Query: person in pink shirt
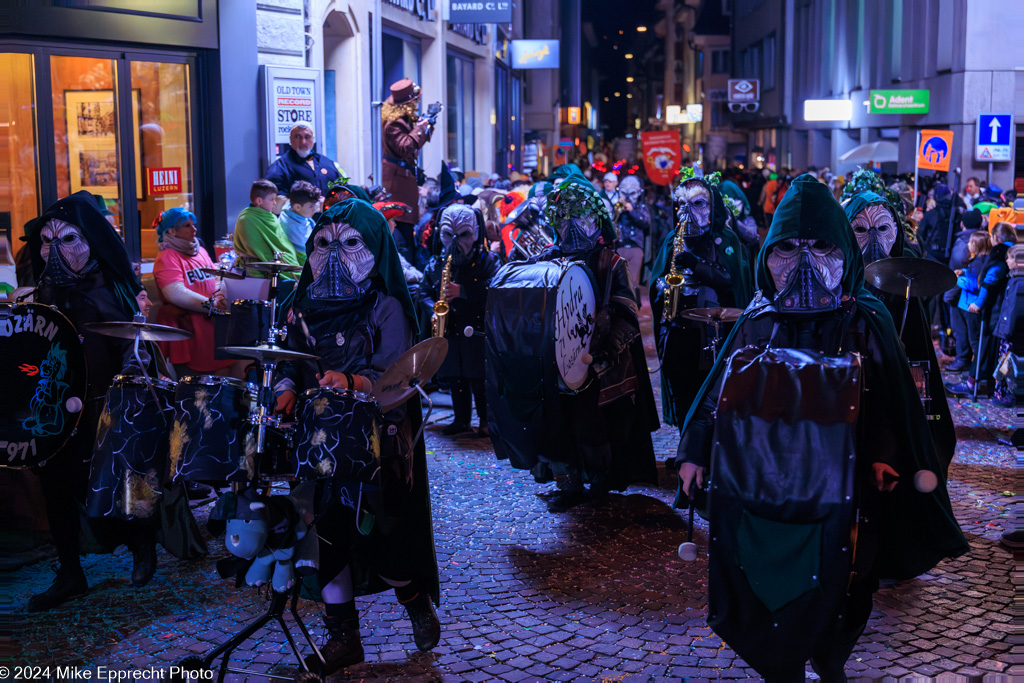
[(189, 294)]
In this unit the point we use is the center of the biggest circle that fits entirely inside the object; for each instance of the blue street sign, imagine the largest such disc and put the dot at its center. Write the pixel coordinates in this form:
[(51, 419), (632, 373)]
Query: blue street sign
[(994, 134)]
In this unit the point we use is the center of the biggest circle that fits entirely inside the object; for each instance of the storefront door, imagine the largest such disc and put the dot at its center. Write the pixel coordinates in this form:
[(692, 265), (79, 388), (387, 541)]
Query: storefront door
[(117, 125)]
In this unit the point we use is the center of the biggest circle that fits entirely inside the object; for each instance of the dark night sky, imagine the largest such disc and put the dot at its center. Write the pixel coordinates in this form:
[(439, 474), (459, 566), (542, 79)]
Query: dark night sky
[(608, 18)]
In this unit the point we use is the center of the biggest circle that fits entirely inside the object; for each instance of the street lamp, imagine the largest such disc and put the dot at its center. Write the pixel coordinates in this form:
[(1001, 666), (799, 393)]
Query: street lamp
[(628, 55), (641, 29), (629, 79)]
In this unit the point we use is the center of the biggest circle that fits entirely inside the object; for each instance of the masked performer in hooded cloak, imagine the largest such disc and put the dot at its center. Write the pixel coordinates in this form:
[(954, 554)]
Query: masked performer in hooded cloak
[(84, 271), (877, 228), (465, 268), (633, 224), (823, 477), (352, 308), (601, 434), (709, 256)]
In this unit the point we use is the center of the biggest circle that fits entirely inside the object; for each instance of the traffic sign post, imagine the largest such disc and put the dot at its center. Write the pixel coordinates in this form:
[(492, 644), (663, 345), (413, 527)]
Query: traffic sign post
[(994, 133), (933, 150)]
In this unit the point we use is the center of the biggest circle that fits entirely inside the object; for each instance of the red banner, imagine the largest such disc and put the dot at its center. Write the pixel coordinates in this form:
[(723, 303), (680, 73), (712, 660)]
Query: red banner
[(164, 180), (661, 155)]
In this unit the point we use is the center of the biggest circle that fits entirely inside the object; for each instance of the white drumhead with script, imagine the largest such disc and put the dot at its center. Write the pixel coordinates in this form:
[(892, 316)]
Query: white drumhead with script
[(574, 325)]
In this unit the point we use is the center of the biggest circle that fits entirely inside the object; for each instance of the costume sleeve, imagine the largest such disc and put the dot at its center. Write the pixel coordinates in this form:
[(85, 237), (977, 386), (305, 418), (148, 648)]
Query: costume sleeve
[(392, 337), (167, 269), (431, 284), (278, 174), (182, 297), (992, 284), (967, 283), (405, 144), (641, 217)]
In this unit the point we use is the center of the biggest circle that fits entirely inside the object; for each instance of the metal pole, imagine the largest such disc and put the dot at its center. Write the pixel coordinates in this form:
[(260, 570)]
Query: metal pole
[(917, 156), (988, 178)]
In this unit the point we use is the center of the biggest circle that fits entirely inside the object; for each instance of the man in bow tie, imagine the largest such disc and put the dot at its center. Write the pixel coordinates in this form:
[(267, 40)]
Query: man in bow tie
[(300, 162)]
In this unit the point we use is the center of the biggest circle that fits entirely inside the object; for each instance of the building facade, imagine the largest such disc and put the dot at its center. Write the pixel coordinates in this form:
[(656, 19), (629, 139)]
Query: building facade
[(959, 51), (159, 106)]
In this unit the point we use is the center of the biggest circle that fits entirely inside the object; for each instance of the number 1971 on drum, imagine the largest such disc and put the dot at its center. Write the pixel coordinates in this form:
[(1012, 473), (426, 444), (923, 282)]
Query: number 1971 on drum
[(18, 448)]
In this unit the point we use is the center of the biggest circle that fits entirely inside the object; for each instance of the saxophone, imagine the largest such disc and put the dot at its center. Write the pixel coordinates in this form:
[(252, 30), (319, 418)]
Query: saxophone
[(439, 321), (674, 280)]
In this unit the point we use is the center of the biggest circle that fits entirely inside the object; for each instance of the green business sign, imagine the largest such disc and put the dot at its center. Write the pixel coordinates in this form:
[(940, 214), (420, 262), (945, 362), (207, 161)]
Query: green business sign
[(898, 102)]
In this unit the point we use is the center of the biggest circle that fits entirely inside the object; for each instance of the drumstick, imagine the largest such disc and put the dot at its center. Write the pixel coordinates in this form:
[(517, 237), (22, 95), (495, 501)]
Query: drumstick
[(310, 341)]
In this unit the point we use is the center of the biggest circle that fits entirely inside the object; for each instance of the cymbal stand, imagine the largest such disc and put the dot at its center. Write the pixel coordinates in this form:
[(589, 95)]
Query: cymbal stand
[(278, 604), (274, 333), (415, 384), (263, 417), (139, 318), (906, 303)]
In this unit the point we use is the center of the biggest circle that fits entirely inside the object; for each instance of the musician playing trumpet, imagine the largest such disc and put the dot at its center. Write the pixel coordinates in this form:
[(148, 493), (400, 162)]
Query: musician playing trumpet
[(707, 254), (456, 282)]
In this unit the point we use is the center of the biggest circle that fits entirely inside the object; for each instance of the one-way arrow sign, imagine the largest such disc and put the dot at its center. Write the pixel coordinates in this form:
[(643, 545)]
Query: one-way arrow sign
[(993, 140)]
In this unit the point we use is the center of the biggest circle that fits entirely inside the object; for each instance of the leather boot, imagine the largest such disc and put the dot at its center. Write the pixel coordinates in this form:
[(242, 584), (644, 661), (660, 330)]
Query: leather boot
[(69, 582), (426, 629), (343, 648), (143, 562)]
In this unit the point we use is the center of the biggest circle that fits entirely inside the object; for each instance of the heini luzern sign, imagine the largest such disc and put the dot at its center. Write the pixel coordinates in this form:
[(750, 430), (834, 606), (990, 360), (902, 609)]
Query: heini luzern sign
[(898, 102)]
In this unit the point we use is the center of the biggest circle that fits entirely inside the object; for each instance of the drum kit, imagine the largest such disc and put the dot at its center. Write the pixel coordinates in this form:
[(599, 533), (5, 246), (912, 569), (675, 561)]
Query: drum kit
[(714, 317), (202, 428)]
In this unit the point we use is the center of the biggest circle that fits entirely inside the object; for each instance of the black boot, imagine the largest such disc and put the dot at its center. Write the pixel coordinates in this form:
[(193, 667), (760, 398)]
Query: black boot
[(343, 648), (143, 562), (426, 629), (70, 581)]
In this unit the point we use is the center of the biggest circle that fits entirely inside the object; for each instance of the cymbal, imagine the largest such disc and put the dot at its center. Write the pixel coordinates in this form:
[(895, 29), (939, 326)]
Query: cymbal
[(712, 315), (415, 366), (274, 267), (927, 278), (265, 353), (146, 331), (222, 272)]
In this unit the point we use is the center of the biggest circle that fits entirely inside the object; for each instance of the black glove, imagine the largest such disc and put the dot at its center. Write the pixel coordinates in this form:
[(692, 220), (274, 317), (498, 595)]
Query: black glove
[(686, 259)]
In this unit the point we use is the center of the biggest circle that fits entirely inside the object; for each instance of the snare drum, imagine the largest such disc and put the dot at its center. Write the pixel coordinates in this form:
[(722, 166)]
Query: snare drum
[(211, 438), (246, 324), (337, 436), (130, 459)]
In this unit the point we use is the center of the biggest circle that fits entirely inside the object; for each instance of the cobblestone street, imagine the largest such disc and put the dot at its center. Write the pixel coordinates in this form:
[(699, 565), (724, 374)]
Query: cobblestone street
[(596, 593)]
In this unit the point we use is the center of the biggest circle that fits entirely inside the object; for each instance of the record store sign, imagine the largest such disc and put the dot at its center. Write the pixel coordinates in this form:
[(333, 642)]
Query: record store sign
[(480, 12), (292, 96)]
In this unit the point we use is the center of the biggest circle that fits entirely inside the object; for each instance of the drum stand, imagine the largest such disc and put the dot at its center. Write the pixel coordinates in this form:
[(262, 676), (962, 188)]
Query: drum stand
[(278, 604), (139, 318)]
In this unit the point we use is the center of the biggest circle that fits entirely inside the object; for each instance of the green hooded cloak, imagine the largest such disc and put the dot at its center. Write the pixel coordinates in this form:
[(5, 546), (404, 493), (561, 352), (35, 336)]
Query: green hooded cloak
[(387, 270), (574, 196), (919, 530), (917, 337)]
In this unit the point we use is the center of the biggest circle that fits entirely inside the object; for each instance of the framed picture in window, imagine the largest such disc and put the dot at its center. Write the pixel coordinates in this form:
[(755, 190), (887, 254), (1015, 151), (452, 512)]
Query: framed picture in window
[(93, 161)]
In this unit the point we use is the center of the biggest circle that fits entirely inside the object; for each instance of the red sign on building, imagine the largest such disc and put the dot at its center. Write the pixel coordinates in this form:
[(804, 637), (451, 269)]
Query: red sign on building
[(164, 180)]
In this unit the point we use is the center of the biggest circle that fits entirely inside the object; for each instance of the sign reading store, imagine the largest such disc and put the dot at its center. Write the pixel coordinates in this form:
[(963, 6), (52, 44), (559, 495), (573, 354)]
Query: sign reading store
[(290, 96)]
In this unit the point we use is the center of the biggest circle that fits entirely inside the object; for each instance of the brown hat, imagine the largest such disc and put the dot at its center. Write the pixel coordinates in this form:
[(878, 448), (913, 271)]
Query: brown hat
[(403, 91)]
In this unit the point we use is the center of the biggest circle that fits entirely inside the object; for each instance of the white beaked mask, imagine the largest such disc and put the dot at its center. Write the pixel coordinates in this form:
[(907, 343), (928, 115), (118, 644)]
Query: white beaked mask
[(65, 251), (875, 230), (693, 202), (808, 275), (340, 262), (459, 227)]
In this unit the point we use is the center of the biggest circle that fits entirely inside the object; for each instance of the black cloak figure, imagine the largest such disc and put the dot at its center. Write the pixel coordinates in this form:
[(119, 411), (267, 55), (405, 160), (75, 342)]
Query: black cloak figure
[(352, 309), (716, 273), (602, 434), (876, 225), (812, 452), (461, 236), (83, 269)]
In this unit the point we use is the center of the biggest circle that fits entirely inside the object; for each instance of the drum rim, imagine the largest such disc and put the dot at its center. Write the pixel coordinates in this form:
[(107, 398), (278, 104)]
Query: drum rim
[(123, 380), (358, 395), (216, 380), (567, 265)]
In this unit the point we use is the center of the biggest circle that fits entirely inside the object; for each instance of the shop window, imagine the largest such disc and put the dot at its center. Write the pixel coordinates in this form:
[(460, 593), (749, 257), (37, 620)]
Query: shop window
[(400, 59), (163, 145), (19, 178), (86, 135)]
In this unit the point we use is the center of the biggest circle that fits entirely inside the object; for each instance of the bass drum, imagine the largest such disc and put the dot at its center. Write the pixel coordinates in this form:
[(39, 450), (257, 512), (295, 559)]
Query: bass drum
[(211, 438), (129, 464), (44, 383), (539, 322)]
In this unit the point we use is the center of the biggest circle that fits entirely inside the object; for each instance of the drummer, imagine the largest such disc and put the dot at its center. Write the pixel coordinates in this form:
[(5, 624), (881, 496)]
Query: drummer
[(785, 586), (880, 235), (607, 439), (190, 294), (715, 274), (83, 269), (352, 309), (462, 237)]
